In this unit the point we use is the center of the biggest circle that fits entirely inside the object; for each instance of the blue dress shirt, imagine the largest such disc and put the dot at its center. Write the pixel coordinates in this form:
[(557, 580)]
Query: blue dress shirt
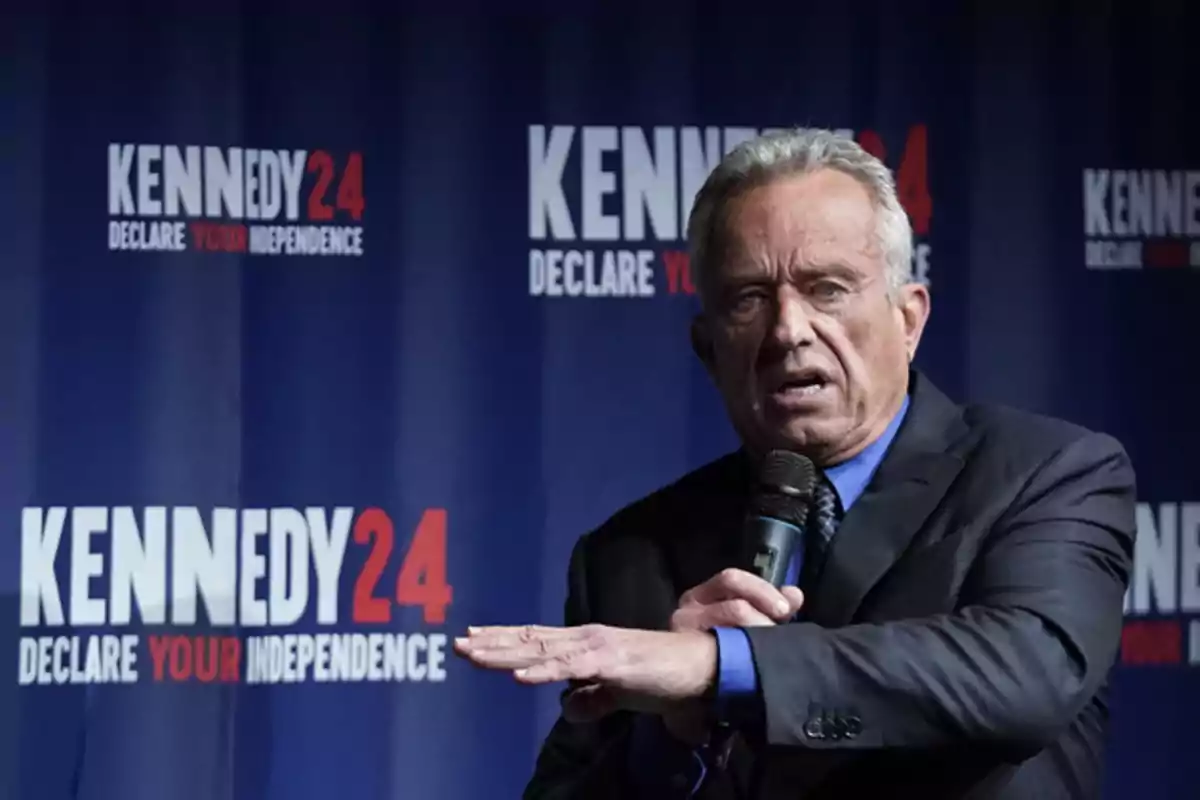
[(652, 747)]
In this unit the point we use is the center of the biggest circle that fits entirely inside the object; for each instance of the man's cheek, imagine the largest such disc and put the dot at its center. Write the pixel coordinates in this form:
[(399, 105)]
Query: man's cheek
[(843, 344)]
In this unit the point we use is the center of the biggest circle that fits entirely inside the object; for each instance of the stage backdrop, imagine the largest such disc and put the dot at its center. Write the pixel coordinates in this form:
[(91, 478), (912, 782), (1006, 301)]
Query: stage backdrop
[(326, 331)]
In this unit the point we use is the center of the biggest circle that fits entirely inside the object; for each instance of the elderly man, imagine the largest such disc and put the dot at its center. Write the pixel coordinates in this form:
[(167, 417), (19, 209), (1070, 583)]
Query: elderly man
[(960, 605)]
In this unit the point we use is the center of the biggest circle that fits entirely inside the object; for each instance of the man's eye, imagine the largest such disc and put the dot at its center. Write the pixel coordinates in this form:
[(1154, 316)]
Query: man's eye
[(747, 300), (827, 290)]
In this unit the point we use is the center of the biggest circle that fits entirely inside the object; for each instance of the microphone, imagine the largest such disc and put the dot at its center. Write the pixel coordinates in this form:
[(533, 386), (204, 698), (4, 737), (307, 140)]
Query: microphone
[(774, 524), (771, 533)]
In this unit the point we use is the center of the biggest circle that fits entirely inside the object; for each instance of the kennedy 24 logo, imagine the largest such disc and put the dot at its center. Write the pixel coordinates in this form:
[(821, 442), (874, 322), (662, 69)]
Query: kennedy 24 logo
[(349, 196), (421, 580), (911, 171)]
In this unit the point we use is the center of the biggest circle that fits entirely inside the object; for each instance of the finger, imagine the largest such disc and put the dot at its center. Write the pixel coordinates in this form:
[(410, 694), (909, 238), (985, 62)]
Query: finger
[(517, 655), (795, 599), (732, 613), (589, 704), (735, 613), (735, 583), (500, 635), (574, 666)]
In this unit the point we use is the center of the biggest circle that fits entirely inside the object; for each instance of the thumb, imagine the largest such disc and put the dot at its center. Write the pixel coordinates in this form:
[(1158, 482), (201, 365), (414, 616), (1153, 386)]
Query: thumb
[(795, 599), (589, 703)]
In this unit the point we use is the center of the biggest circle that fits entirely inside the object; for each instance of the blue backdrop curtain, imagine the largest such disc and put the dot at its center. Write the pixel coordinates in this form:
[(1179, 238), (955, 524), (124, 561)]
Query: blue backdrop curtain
[(423, 373)]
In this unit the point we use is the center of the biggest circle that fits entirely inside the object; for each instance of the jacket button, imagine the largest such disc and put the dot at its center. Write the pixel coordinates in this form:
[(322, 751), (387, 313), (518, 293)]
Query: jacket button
[(836, 728), (814, 729)]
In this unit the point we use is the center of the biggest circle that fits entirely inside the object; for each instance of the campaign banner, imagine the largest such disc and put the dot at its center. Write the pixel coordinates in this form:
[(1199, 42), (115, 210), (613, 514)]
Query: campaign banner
[(328, 333)]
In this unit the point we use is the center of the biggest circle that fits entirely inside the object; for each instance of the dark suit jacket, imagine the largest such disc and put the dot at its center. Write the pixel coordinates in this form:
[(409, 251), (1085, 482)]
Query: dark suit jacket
[(959, 638)]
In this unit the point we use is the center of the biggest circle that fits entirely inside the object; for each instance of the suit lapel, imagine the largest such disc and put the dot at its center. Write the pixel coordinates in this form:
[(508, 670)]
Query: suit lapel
[(913, 477), (707, 540)]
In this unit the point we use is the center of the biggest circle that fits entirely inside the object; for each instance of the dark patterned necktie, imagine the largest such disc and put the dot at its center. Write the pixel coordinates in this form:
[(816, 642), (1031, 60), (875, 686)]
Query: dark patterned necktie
[(823, 519)]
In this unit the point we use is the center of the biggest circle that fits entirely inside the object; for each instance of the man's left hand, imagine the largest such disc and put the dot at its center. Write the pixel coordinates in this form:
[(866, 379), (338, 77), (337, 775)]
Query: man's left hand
[(638, 670)]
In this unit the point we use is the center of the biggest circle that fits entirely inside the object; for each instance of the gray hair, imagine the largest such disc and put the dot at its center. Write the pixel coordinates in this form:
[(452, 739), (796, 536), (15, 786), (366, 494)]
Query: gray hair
[(788, 152)]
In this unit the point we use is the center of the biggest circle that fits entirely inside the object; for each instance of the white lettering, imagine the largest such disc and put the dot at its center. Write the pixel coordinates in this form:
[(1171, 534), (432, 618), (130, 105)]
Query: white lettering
[(147, 156), (182, 184), (271, 185), (223, 187), (1108, 254), (598, 182), (1191, 214), (658, 183), (338, 657), (920, 261), (649, 181), (137, 566), (328, 550), (1141, 203), (1194, 643), (199, 565), (547, 162), (1120, 226), (696, 160), (189, 180), (254, 567), (120, 166), (1154, 563), (150, 235), (292, 164), (576, 273), (289, 537), (306, 240), (41, 531), (86, 565), (137, 553), (1166, 568), (537, 273), (1189, 558), (252, 178), (75, 659), (1095, 189)]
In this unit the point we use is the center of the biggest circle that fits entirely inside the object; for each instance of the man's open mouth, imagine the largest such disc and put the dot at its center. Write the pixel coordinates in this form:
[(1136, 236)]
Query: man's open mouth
[(801, 385)]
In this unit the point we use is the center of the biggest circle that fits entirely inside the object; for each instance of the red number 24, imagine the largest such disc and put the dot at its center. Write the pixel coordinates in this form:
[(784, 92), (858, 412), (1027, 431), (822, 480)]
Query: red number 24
[(422, 578), (912, 174), (349, 192)]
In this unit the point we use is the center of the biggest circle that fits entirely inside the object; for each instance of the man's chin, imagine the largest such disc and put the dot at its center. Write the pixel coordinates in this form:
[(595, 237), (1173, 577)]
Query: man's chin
[(807, 436)]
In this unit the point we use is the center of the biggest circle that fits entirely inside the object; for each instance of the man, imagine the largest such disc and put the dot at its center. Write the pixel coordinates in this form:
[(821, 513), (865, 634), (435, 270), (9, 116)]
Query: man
[(960, 600)]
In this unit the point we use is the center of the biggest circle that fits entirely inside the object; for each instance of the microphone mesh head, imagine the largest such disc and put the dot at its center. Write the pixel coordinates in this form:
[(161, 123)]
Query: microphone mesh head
[(788, 473), (785, 487)]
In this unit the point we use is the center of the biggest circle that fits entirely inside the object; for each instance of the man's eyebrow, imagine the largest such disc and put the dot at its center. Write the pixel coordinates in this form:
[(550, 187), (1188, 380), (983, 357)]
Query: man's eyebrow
[(830, 269)]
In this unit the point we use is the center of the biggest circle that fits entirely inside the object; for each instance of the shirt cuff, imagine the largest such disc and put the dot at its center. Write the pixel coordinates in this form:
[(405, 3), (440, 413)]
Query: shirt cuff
[(738, 701), (736, 676)]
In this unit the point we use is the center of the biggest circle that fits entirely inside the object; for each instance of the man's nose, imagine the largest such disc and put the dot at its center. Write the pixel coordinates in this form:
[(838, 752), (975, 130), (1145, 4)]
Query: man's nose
[(792, 325)]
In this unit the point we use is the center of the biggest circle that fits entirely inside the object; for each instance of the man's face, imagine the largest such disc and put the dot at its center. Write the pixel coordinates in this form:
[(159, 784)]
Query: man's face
[(807, 348)]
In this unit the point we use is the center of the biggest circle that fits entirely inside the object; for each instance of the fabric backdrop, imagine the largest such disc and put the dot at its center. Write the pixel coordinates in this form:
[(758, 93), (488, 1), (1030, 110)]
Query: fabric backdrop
[(327, 329)]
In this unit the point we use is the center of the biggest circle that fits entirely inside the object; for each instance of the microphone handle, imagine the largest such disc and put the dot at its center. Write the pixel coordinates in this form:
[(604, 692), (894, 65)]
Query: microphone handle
[(771, 545)]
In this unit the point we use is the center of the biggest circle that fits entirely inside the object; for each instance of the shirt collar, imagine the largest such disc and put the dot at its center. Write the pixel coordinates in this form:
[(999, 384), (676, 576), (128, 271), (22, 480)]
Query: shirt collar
[(850, 478)]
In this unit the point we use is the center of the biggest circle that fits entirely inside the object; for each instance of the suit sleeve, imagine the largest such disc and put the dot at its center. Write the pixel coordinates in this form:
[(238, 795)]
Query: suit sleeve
[(1035, 635), (581, 761)]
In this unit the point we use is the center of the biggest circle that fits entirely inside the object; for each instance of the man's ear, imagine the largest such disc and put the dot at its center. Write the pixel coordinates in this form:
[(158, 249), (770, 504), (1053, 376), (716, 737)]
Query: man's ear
[(702, 344), (914, 309)]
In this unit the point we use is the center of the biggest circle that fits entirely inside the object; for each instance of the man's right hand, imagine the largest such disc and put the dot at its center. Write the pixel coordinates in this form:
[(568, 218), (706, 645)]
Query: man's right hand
[(735, 598), (732, 598)]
